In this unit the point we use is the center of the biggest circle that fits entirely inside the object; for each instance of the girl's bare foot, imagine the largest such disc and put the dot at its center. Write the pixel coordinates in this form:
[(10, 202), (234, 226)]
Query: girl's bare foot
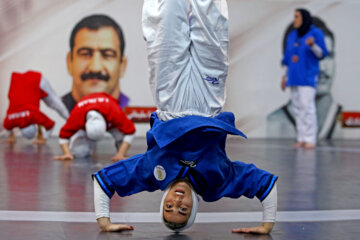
[(298, 145), (309, 145)]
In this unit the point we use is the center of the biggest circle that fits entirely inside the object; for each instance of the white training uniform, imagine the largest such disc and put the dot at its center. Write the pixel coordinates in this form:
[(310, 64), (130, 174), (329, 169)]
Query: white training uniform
[(187, 55), (303, 106), (303, 103), (182, 82)]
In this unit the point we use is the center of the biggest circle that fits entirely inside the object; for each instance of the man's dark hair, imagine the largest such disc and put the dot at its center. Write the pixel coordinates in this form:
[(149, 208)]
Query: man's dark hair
[(94, 22)]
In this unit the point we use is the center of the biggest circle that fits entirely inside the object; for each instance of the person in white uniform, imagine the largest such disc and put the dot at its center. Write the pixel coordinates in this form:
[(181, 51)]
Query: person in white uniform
[(187, 45), (196, 48)]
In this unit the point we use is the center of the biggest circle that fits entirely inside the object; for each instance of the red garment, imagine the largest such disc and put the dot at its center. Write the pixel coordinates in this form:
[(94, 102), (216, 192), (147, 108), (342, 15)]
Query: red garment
[(24, 97), (25, 118), (103, 103)]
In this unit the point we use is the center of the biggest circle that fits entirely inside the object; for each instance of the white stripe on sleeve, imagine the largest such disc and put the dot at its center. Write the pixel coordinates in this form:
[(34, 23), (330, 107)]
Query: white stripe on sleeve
[(269, 205), (129, 138), (101, 201), (317, 51)]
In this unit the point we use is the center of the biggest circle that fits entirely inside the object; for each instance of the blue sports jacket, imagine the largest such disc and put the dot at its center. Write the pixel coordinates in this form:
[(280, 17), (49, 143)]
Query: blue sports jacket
[(192, 147), (305, 71)]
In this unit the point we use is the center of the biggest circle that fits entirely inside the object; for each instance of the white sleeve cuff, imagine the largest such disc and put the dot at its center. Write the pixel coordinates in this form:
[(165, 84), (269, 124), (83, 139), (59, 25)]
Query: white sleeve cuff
[(317, 50), (269, 205), (101, 201), (285, 70), (63, 140), (129, 138)]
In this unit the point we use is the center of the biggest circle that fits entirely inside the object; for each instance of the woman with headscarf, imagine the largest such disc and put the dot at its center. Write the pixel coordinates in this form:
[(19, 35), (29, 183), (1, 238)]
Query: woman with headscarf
[(305, 47)]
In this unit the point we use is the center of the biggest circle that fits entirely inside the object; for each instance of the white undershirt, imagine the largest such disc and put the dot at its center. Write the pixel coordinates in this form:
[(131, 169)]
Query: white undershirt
[(269, 205), (317, 50), (102, 203)]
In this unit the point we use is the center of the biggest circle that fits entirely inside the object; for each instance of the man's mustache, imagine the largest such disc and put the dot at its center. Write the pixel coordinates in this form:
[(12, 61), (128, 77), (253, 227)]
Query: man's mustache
[(97, 75)]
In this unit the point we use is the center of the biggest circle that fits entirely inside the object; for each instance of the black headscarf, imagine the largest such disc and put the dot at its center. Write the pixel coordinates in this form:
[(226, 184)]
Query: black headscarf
[(306, 22)]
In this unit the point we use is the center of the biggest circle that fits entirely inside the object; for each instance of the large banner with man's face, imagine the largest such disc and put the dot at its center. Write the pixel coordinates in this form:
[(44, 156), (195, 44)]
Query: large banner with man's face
[(42, 36)]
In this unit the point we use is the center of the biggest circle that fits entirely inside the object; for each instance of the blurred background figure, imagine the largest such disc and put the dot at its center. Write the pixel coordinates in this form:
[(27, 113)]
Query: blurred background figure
[(96, 59), (282, 122), (305, 46), (26, 90), (92, 116)]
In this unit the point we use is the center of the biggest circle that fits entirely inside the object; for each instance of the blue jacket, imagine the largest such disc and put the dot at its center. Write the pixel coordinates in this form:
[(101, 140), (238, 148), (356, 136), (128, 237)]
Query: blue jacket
[(306, 70), (191, 146)]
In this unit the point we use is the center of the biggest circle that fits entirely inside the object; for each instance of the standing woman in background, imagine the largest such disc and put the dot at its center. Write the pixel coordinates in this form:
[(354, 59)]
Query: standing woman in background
[(305, 47)]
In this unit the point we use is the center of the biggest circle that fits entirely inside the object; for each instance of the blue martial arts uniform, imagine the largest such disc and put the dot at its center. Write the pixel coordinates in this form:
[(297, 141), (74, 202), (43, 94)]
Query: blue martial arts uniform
[(306, 70), (193, 147)]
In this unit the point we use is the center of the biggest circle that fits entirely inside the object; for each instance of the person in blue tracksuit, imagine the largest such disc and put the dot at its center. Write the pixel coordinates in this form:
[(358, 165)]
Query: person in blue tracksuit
[(188, 53), (305, 47)]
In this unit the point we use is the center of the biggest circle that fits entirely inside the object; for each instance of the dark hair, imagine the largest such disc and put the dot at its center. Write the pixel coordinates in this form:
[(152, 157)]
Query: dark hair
[(317, 22), (306, 21), (94, 22)]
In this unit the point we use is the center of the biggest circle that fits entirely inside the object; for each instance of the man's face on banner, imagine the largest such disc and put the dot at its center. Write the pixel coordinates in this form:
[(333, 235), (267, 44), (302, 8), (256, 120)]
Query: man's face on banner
[(95, 63)]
